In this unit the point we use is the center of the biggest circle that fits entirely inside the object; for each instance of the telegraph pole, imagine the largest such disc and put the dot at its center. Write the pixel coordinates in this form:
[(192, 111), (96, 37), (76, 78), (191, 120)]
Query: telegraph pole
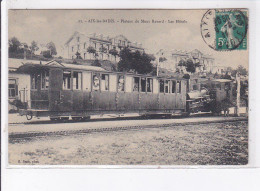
[(237, 113), (157, 69)]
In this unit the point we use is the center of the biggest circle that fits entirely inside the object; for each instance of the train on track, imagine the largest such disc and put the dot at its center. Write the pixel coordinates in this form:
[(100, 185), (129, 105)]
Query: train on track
[(62, 91)]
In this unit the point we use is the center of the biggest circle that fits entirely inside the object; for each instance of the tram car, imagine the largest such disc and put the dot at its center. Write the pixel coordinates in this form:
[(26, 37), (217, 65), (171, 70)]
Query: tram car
[(63, 91)]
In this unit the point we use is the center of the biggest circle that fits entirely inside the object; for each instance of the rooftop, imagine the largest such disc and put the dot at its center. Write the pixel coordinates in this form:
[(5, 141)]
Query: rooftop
[(14, 64)]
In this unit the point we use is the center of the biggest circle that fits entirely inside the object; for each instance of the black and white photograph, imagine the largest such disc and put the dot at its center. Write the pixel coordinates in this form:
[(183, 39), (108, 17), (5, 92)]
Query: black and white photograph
[(157, 87)]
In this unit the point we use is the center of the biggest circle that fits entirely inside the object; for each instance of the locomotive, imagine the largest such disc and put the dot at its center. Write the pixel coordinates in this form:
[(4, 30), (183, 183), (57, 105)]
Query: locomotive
[(210, 96), (62, 91)]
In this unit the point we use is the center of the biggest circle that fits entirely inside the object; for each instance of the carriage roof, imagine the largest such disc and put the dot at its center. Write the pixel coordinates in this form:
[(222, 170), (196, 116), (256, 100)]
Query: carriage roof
[(29, 65), (221, 80), (32, 66)]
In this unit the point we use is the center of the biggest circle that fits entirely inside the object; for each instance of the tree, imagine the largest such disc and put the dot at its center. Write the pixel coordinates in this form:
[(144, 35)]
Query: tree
[(182, 63), (142, 63), (226, 76), (125, 64), (51, 46), (103, 49), (113, 52), (241, 70), (78, 56), (92, 50), (190, 66), (152, 57), (14, 45), (34, 47), (136, 61), (46, 54)]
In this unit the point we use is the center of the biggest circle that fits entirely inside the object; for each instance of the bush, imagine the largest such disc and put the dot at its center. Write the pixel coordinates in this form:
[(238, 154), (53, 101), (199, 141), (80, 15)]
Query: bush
[(186, 76), (96, 63), (46, 54)]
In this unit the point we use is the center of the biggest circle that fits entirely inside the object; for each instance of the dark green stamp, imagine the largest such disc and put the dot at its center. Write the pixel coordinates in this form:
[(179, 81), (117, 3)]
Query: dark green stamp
[(231, 27), (224, 29)]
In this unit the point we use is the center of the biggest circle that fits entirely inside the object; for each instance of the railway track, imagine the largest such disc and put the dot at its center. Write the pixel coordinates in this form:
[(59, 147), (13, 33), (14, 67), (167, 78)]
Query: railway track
[(205, 114), (17, 137)]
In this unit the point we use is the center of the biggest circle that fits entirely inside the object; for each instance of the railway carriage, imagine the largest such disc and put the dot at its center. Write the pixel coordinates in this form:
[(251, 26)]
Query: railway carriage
[(60, 91)]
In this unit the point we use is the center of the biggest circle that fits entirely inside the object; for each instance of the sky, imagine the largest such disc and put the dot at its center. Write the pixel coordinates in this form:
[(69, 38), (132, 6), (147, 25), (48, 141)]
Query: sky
[(58, 26)]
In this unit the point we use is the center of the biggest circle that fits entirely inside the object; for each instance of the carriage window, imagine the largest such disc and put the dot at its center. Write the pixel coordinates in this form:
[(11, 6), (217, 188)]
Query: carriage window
[(203, 86), (121, 83), (173, 86), (143, 83), (161, 86), (95, 82), (149, 85), (34, 81), (105, 82), (45, 80), (66, 80), (195, 87), (218, 86), (136, 84), (227, 86), (12, 88), (167, 82), (178, 87), (77, 78)]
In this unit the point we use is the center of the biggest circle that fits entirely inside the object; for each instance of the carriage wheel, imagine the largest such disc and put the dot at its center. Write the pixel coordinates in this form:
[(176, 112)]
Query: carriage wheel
[(64, 118), (29, 116), (85, 118), (53, 118), (77, 118), (59, 118)]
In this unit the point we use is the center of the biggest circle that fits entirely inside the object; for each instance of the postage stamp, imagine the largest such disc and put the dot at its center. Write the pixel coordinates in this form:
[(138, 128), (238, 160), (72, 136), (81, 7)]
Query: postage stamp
[(225, 29)]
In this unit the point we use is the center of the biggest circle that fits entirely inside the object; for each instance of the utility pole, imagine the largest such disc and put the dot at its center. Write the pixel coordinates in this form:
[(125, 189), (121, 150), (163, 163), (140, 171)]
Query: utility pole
[(157, 69), (160, 54), (237, 113)]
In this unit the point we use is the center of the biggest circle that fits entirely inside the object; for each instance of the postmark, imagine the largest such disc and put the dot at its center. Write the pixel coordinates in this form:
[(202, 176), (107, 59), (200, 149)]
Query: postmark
[(225, 29)]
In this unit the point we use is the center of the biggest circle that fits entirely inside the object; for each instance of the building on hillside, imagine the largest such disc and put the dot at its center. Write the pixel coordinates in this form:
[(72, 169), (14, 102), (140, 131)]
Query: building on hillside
[(78, 46), (220, 69), (170, 60), (41, 49)]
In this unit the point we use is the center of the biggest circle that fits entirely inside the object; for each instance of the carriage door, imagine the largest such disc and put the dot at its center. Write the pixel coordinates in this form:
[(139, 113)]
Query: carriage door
[(60, 95), (183, 93), (55, 88)]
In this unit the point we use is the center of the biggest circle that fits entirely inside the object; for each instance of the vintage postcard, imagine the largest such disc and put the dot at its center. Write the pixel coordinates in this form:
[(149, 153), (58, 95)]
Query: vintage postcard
[(160, 87)]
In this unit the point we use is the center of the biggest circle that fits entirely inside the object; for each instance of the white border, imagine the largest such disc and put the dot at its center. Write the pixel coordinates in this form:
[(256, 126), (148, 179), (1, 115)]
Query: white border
[(60, 178)]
